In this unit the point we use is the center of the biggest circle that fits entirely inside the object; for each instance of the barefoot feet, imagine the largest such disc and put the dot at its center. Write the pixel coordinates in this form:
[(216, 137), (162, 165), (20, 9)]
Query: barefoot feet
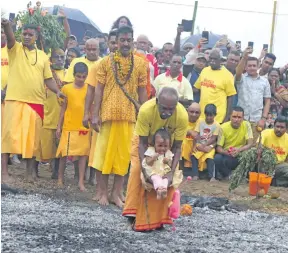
[(114, 199)]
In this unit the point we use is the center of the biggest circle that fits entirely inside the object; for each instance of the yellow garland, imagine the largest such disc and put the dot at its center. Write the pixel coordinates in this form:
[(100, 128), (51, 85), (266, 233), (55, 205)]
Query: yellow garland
[(124, 64)]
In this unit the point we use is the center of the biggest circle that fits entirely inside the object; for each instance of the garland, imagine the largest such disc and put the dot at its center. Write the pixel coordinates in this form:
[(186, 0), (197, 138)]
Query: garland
[(120, 66)]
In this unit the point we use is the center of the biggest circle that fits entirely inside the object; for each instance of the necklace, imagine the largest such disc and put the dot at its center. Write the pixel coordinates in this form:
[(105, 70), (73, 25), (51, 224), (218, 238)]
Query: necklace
[(118, 67), (27, 56)]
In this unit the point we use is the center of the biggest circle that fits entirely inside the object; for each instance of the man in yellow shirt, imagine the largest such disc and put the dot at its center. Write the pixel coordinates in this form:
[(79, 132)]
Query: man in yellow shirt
[(164, 111), (24, 110), (194, 112), (174, 78), (92, 81), (92, 56), (121, 89), (277, 139), (216, 86), (48, 146), (235, 136)]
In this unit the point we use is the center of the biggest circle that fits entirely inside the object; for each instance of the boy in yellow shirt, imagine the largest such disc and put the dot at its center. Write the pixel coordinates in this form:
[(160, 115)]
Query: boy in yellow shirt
[(277, 139), (204, 143), (74, 137)]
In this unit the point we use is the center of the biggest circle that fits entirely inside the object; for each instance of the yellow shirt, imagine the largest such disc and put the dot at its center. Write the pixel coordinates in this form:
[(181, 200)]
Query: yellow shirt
[(149, 121), (279, 144), (231, 137), (69, 77), (75, 107), (115, 105), (215, 86), (26, 81), (180, 83), (51, 106), (4, 67), (92, 79)]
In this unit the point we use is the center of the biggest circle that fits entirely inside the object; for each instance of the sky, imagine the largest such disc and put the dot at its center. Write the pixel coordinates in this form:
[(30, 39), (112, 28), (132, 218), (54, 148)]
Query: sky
[(159, 20)]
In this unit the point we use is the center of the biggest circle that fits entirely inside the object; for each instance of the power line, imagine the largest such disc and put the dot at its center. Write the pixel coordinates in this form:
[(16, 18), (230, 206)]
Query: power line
[(216, 8)]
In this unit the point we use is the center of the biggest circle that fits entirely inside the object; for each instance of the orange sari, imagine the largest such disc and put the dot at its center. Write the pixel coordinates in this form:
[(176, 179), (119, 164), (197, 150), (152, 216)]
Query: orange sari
[(150, 213)]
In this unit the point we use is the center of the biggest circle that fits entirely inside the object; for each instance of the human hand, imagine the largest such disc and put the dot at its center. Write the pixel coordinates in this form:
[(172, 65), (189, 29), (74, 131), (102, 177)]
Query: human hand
[(207, 149), (60, 95), (61, 13), (86, 120), (180, 29), (58, 133), (234, 152), (155, 157), (202, 41), (260, 125), (4, 22), (247, 51), (166, 160), (263, 53), (96, 123)]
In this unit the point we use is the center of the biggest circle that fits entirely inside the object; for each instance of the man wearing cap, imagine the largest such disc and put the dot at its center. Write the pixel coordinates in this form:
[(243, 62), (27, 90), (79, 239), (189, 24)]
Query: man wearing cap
[(174, 78), (192, 72)]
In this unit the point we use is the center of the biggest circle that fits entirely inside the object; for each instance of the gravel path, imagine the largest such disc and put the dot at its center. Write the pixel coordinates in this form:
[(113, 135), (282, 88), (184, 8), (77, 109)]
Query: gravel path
[(35, 223)]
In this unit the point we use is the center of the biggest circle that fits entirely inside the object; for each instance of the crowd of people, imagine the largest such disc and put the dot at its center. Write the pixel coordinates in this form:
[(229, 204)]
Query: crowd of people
[(119, 105)]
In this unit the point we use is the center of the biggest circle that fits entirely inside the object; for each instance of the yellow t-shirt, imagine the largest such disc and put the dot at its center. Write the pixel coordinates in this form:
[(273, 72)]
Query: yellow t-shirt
[(115, 105), (231, 137), (4, 67), (26, 81), (92, 79), (69, 77), (279, 144), (75, 107), (149, 121), (215, 86), (51, 106), (180, 83)]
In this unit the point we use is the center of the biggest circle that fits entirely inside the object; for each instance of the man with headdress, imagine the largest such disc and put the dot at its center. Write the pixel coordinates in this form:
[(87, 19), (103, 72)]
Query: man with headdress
[(24, 109)]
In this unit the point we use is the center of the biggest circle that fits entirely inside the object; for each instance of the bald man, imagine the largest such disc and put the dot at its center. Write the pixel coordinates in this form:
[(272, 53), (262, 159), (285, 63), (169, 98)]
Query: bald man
[(142, 47), (165, 111), (216, 86), (194, 112)]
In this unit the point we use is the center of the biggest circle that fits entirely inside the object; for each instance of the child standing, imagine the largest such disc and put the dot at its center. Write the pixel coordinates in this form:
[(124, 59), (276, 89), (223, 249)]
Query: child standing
[(204, 143), (74, 137), (157, 164)]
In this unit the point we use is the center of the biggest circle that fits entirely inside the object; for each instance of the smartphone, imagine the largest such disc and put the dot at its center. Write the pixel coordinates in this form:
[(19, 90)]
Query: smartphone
[(55, 10), (205, 34), (251, 44), (265, 46)]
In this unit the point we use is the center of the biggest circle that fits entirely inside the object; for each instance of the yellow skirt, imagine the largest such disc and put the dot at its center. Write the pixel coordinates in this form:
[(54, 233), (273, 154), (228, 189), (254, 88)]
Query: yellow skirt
[(48, 145), (201, 156), (113, 147), (74, 143), (92, 148), (21, 129)]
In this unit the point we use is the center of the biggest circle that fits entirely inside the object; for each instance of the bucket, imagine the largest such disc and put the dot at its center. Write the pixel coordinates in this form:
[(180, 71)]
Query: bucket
[(264, 183)]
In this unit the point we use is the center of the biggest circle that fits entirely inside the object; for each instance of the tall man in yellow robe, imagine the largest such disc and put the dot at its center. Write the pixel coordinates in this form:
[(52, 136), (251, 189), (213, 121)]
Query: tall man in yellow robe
[(48, 146), (121, 89), (24, 110)]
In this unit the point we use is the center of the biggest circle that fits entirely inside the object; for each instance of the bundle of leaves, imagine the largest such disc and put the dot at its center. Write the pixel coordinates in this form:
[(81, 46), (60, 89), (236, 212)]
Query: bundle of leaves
[(51, 31), (247, 162)]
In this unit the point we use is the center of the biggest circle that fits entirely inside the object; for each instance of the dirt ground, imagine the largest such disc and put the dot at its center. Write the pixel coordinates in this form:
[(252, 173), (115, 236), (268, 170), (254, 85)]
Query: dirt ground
[(45, 185)]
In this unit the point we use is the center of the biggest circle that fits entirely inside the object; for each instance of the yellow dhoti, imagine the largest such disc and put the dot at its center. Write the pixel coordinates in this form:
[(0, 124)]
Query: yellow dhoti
[(48, 145), (201, 156), (21, 129), (113, 147), (187, 147), (92, 148), (74, 143)]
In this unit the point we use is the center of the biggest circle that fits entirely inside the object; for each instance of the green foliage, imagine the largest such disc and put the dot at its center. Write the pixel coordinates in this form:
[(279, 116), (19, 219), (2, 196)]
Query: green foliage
[(247, 162), (52, 34)]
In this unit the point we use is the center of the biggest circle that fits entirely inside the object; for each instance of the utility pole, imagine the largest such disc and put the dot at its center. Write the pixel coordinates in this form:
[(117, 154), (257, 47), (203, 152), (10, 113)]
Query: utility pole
[(273, 27), (194, 16)]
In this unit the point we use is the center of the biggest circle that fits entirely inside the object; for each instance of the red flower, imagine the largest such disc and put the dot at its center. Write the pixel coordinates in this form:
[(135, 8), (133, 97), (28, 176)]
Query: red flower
[(38, 28), (31, 11)]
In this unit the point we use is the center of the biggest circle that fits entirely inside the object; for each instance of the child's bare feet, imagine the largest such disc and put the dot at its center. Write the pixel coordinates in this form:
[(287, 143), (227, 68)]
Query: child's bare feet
[(82, 188), (103, 201), (60, 184), (114, 199)]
